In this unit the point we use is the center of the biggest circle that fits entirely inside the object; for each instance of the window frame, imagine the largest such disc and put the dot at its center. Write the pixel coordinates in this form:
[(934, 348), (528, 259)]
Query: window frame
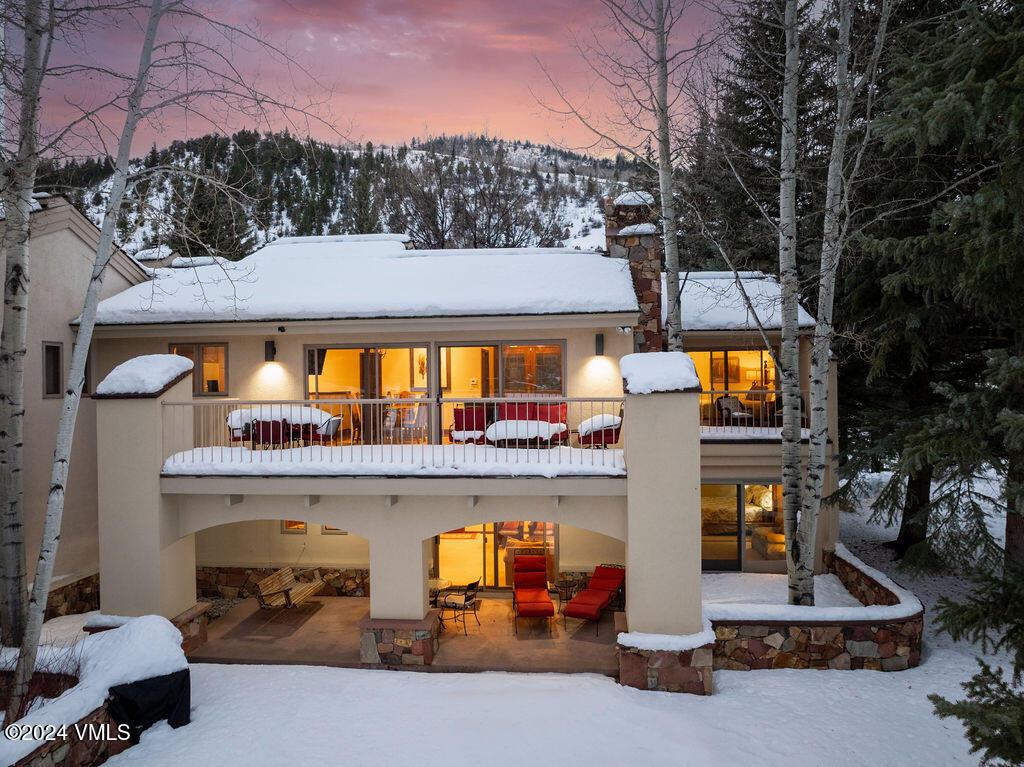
[(59, 346), (197, 381), (285, 530)]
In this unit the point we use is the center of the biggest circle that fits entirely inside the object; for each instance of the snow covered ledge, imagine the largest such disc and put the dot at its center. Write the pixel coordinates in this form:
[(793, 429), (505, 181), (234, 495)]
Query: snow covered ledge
[(654, 372), (147, 376)]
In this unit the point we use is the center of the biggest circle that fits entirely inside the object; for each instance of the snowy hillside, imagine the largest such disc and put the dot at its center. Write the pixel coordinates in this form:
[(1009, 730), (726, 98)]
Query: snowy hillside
[(230, 195)]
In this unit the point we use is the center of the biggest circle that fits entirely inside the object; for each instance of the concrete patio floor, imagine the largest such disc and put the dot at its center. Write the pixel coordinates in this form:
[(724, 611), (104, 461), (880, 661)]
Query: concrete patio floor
[(323, 632)]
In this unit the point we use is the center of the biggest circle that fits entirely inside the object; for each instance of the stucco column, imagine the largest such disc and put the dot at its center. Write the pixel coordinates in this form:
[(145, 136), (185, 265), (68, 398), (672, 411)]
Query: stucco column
[(399, 562), (145, 566), (663, 570)]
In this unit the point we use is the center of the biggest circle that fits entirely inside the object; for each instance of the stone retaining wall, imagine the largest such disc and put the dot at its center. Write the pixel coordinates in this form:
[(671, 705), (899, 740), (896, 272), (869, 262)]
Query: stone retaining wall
[(689, 671), (385, 642), (877, 645), (232, 582), (880, 646), (75, 751), (80, 596)]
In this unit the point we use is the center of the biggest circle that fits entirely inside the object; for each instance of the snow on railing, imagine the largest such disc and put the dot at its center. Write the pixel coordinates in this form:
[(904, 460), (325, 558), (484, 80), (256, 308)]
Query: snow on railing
[(542, 436)]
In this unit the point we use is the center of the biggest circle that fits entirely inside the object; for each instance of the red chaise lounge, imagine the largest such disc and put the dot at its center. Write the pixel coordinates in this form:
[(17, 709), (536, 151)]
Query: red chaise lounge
[(530, 597), (601, 589)]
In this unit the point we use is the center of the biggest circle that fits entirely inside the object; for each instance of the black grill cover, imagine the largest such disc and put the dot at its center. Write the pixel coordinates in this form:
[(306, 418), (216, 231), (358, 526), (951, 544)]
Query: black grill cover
[(143, 703)]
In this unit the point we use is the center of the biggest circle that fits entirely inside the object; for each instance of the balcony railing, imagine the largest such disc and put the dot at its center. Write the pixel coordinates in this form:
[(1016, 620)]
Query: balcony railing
[(396, 437), (752, 413)]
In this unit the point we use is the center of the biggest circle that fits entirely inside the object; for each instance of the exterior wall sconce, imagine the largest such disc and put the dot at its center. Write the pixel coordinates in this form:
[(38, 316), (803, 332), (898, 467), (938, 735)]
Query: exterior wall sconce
[(599, 344), (269, 351)]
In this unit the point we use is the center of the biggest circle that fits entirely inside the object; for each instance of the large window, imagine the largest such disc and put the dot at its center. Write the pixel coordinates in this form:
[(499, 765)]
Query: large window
[(210, 371), (740, 524), (749, 373), (531, 368)]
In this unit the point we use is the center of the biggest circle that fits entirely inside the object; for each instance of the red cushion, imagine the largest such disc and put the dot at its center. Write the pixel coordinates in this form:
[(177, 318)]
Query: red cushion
[(517, 411), (592, 597), (535, 609), (531, 562), (601, 437), (471, 418), (530, 580), (532, 595), (581, 610), (603, 584), (604, 573), (553, 412)]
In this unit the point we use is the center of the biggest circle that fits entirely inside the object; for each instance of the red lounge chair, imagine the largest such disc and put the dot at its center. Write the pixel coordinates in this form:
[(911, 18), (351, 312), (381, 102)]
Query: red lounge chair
[(530, 597), (601, 590), (470, 424)]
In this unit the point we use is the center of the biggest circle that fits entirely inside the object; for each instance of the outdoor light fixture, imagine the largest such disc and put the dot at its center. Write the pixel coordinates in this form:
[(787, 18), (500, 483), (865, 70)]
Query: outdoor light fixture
[(625, 329), (269, 351), (599, 344)]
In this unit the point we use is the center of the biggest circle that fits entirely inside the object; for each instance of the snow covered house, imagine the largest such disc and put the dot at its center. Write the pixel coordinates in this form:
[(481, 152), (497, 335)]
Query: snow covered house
[(395, 420)]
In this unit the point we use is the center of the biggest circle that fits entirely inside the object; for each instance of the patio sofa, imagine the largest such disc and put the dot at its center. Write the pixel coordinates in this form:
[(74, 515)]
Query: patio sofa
[(601, 590), (529, 424)]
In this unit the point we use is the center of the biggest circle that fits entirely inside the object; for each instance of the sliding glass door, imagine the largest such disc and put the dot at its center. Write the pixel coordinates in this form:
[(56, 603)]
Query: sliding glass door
[(488, 551)]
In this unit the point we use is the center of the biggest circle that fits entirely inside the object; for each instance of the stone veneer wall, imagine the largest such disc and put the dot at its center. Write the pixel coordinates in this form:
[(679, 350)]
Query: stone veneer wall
[(688, 671), (80, 596), (232, 582), (400, 643), (75, 751), (878, 645), (646, 257)]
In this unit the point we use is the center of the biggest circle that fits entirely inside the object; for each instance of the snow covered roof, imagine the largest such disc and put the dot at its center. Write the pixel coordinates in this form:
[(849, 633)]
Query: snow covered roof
[(649, 372), (299, 278), (154, 254), (190, 262), (635, 198), (713, 301), (143, 376)]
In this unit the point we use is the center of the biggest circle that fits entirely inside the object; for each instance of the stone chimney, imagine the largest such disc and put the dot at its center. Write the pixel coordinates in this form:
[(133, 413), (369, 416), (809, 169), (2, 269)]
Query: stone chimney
[(632, 234)]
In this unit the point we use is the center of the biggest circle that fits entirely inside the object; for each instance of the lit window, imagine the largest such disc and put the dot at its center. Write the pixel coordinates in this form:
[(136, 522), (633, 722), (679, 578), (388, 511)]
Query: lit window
[(210, 371), (53, 369), (532, 368), (293, 526)]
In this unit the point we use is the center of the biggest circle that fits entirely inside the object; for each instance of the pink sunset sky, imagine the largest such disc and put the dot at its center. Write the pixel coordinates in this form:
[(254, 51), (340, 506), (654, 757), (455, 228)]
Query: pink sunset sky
[(392, 70)]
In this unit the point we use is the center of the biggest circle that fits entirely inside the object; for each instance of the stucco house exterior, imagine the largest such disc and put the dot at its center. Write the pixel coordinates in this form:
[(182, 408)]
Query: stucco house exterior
[(397, 417), (62, 245)]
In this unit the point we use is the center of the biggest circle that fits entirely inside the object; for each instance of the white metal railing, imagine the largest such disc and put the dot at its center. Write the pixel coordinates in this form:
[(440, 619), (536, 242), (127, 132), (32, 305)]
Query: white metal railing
[(749, 411), (543, 435)]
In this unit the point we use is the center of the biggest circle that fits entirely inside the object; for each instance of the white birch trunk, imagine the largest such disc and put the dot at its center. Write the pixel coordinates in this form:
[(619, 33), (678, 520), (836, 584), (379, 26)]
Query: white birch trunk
[(837, 187), (823, 328), (801, 576), (673, 328), (76, 377), (20, 176)]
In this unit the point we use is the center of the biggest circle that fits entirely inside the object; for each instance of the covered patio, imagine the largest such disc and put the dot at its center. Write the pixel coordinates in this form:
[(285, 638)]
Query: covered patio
[(324, 631)]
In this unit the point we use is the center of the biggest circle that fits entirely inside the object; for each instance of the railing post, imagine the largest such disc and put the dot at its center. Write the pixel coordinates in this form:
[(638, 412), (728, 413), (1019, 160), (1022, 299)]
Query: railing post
[(145, 566)]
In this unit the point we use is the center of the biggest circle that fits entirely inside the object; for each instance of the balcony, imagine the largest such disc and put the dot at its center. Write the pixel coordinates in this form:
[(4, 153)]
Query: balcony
[(751, 415), (410, 437)]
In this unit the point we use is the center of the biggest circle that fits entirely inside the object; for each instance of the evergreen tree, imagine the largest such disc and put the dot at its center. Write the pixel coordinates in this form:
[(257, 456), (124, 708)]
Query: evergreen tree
[(966, 87)]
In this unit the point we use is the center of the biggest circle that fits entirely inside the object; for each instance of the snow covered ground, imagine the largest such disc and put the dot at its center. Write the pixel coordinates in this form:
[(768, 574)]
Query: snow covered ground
[(278, 715)]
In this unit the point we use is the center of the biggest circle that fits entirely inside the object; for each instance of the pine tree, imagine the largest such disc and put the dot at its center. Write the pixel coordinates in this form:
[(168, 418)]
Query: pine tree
[(966, 87)]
